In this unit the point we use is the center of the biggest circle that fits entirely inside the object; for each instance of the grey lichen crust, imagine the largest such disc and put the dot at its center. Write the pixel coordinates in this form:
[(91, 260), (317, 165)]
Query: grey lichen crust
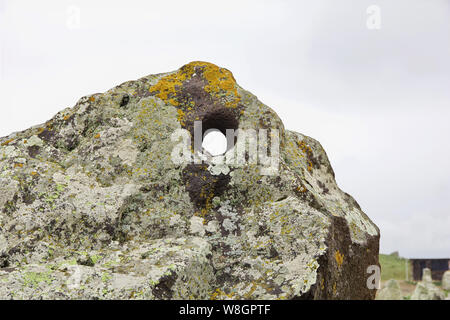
[(93, 207)]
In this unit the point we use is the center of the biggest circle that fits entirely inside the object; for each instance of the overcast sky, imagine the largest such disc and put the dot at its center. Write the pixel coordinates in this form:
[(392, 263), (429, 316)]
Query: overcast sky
[(369, 79)]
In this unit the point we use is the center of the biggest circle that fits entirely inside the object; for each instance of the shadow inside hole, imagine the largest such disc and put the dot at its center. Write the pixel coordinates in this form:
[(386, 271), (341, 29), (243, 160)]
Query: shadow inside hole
[(221, 120)]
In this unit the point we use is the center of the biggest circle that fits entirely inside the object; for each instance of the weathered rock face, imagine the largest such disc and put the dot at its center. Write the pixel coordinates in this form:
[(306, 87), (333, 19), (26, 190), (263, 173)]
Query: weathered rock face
[(390, 291), (426, 290), (92, 204)]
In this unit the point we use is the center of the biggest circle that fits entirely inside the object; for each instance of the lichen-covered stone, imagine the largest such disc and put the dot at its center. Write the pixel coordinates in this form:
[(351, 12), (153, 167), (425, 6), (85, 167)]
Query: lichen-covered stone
[(93, 207)]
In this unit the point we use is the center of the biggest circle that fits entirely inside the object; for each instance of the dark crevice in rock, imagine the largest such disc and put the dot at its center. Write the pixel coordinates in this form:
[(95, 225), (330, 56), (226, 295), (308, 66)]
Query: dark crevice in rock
[(10, 206), (33, 151), (202, 186), (124, 101), (163, 290)]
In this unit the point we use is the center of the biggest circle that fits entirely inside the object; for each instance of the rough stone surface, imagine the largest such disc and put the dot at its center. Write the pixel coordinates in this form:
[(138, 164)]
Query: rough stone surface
[(92, 207), (426, 290), (446, 280), (390, 291)]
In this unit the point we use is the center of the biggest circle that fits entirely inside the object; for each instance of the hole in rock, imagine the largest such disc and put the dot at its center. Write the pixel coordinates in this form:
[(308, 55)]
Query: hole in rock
[(217, 122), (214, 142)]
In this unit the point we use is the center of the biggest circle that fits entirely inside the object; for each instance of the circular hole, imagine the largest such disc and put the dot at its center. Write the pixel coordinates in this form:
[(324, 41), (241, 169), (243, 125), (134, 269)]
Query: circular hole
[(214, 142)]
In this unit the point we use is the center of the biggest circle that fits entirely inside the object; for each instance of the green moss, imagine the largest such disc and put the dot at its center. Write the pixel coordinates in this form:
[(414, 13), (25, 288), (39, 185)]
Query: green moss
[(95, 258), (33, 279), (106, 277)]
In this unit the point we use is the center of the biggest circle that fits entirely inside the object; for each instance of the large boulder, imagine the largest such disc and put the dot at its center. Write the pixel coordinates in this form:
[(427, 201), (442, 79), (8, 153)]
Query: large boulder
[(446, 280), (95, 203), (426, 290), (390, 291)]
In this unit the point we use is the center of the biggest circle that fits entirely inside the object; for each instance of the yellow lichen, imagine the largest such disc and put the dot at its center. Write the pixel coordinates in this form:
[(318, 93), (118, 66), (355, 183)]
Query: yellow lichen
[(181, 116), (7, 142), (219, 81), (339, 258), (309, 153), (216, 295)]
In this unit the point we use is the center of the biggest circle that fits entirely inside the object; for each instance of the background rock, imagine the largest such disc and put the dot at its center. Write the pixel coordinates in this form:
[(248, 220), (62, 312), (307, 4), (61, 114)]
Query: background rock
[(426, 290), (446, 280), (426, 275), (92, 205), (390, 291)]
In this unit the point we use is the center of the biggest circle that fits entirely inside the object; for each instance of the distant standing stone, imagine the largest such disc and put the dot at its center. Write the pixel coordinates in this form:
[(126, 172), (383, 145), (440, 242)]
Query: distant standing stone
[(426, 275), (446, 280), (390, 291), (395, 254)]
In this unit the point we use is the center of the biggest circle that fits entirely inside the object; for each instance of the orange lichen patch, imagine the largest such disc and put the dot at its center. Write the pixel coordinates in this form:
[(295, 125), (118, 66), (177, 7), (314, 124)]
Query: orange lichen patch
[(339, 258), (181, 116), (7, 142), (302, 189), (25, 141), (34, 173), (305, 148), (92, 99), (18, 165), (219, 81), (97, 136), (67, 117), (219, 293), (308, 151), (173, 102)]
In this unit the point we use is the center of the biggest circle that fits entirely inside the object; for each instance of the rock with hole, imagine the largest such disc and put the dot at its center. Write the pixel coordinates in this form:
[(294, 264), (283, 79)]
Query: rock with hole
[(114, 199)]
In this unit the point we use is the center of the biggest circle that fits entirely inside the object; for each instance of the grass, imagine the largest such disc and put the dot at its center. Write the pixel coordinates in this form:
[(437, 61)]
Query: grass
[(393, 267)]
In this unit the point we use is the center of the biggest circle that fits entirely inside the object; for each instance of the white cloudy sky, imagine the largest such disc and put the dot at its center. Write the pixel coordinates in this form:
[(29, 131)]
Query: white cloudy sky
[(377, 100)]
